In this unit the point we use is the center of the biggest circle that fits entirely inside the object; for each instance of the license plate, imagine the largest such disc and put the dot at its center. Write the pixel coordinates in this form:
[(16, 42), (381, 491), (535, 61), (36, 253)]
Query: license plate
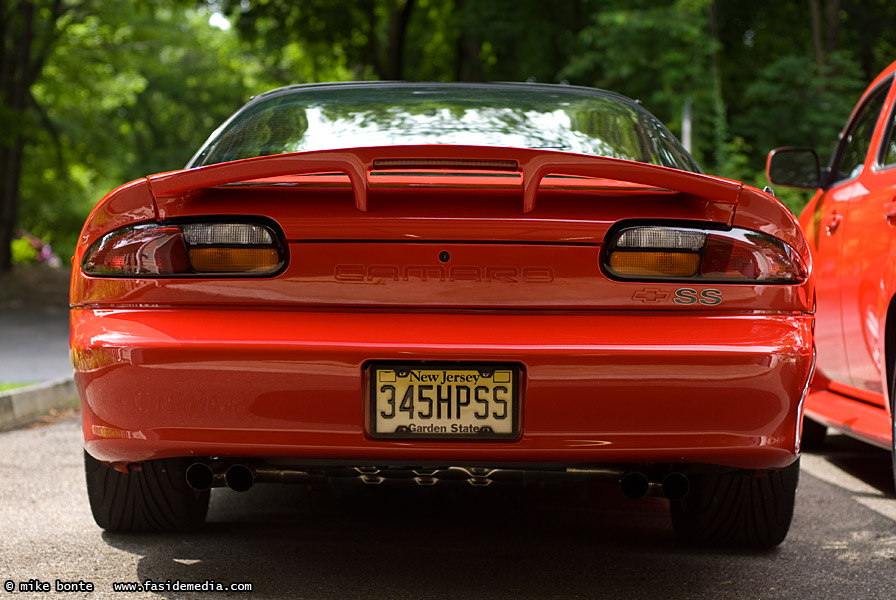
[(444, 401)]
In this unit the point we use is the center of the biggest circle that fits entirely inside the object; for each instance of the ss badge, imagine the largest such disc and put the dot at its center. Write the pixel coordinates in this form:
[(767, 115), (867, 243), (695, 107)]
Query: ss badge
[(709, 297)]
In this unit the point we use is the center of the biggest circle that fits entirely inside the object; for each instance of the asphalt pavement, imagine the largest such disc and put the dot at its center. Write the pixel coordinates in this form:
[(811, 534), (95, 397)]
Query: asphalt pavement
[(34, 325), (368, 542), (449, 541)]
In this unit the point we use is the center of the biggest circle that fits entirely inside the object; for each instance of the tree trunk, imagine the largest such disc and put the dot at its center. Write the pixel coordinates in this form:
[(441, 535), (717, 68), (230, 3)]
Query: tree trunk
[(16, 64), (825, 33), (20, 66), (398, 32), (817, 36), (833, 25), (467, 66)]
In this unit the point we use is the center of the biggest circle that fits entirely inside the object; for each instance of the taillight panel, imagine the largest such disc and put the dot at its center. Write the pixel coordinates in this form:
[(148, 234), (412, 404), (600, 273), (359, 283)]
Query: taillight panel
[(231, 249), (682, 253)]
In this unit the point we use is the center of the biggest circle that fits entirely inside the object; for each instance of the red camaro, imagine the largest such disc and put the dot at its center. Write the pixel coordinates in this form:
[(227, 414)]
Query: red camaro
[(438, 281), (851, 227)]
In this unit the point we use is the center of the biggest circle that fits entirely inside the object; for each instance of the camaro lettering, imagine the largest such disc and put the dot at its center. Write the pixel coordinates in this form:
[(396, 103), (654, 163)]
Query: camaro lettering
[(424, 273), (500, 274), (709, 297), (465, 274)]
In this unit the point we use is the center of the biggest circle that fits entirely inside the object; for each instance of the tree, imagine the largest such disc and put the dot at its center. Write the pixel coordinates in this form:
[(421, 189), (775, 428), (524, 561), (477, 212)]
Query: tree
[(29, 29), (364, 38), (416, 40), (130, 88), (94, 93), (662, 53)]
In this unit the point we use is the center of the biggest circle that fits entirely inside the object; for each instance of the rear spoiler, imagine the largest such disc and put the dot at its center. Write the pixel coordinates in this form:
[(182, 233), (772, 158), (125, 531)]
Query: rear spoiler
[(357, 163)]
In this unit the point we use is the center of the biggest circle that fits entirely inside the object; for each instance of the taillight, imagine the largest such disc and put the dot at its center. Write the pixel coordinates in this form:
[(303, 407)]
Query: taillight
[(155, 250), (683, 254)]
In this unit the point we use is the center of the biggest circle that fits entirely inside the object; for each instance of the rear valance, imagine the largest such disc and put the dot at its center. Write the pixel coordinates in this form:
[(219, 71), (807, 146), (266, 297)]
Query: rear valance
[(357, 164)]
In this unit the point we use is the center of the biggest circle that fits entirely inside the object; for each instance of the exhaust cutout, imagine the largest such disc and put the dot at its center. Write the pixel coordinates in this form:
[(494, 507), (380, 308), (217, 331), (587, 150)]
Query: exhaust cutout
[(676, 486), (239, 478), (634, 485), (200, 477)]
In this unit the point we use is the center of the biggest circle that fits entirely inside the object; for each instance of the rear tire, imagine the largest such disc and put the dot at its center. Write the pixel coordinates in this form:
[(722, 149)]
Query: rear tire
[(739, 508), (155, 498), (814, 434)]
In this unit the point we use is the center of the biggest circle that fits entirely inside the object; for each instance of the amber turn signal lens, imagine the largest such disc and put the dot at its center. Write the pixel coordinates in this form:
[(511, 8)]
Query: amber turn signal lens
[(655, 264), (234, 260)]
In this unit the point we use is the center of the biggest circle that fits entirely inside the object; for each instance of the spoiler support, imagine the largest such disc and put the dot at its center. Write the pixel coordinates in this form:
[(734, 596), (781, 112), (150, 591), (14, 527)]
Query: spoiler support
[(356, 164)]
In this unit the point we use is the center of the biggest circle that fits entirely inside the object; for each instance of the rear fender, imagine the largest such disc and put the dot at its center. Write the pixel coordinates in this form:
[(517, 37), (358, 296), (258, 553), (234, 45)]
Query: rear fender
[(126, 205)]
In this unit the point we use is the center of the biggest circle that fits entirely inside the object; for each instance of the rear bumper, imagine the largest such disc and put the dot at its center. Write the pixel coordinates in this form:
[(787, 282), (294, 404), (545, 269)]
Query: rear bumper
[(596, 387)]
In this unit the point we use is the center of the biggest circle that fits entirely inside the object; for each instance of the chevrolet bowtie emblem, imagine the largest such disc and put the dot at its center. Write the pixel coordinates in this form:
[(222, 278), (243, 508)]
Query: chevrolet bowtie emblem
[(651, 295)]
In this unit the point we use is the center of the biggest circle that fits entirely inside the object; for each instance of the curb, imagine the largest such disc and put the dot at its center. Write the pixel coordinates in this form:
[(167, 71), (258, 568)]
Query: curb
[(23, 405)]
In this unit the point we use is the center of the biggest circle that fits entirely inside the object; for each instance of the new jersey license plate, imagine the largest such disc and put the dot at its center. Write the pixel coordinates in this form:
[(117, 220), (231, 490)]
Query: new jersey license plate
[(444, 401)]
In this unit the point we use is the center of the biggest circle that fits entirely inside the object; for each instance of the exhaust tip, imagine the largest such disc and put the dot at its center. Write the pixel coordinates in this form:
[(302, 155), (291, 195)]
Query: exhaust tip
[(239, 478), (634, 485), (200, 476), (676, 486)]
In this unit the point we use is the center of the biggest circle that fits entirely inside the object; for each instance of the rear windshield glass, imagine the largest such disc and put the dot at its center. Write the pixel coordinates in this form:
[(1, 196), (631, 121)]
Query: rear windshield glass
[(350, 116)]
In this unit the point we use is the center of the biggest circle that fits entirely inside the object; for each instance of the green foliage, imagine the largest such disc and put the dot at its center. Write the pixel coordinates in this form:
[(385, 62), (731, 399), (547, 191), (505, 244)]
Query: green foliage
[(519, 40), (23, 252), (130, 88), (315, 40), (660, 53), (778, 102), (128, 91), (5, 387)]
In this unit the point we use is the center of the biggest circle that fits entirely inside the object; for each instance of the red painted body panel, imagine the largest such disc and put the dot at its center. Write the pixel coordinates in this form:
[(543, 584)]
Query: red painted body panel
[(599, 386), (863, 421), (611, 372), (852, 234), (493, 244), (869, 245), (407, 274)]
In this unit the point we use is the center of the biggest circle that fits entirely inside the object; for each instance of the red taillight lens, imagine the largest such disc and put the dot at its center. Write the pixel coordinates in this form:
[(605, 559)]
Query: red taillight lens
[(154, 250), (141, 250), (751, 256), (684, 254)]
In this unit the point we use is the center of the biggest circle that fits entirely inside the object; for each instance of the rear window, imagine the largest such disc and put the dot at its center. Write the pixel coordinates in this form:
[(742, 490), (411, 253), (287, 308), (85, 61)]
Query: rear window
[(521, 116)]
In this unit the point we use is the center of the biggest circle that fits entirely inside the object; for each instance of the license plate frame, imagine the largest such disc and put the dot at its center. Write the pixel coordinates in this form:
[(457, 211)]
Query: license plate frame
[(451, 377)]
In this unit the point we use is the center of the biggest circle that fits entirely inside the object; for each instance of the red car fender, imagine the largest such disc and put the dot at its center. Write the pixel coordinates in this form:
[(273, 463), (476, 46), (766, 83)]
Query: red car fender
[(759, 211)]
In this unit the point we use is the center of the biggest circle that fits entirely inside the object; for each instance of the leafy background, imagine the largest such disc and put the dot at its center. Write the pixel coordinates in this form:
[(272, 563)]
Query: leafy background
[(95, 93)]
